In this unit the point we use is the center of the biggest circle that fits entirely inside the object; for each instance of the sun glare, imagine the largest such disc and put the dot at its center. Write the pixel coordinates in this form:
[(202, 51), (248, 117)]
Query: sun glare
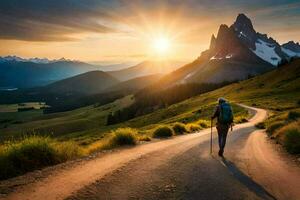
[(161, 45)]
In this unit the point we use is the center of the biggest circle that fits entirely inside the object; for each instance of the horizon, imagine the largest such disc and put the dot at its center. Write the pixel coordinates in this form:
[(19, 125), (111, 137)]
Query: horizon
[(106, 32)]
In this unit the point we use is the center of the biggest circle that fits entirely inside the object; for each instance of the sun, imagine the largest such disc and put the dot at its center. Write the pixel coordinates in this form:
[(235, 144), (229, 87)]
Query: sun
[(161, 45)]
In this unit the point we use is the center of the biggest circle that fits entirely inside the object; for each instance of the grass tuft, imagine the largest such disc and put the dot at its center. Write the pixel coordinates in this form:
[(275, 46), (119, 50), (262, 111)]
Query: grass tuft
[(144, 138), (179, 128), (291, 133), (203, 123), (240, 119), (193, 127), (34, 152), (123, 136), (162, 132), (273, 127)]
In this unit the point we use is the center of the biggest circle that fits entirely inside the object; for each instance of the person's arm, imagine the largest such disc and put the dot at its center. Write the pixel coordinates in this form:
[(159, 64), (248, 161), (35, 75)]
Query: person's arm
[(216, 113)]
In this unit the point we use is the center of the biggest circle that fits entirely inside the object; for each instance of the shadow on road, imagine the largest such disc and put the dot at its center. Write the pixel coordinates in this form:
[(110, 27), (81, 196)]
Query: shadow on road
[(246, 180)]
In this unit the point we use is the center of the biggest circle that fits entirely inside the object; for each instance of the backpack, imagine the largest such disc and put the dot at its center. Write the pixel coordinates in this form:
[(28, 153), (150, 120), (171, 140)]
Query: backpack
[(226, 115)]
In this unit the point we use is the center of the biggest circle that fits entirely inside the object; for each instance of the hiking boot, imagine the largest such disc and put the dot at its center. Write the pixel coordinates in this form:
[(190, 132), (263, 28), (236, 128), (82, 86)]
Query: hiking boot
[(220, 153)]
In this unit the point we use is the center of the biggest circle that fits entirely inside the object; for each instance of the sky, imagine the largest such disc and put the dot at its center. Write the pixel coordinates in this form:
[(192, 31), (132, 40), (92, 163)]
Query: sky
[(133, 30)]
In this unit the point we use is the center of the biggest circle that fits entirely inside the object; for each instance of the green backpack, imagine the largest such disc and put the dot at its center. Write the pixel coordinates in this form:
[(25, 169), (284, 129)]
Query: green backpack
[(226, 115)]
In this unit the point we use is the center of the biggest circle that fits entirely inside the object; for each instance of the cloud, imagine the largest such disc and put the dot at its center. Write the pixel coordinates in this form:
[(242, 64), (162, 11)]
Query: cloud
[(64, 20), (53, 20)]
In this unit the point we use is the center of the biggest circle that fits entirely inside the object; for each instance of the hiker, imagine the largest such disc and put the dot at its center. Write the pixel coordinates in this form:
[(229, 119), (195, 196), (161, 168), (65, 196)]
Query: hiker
[(224, 115)]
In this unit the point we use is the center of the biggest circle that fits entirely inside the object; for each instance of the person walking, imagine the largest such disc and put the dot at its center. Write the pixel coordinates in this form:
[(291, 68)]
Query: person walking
[(224, 115)]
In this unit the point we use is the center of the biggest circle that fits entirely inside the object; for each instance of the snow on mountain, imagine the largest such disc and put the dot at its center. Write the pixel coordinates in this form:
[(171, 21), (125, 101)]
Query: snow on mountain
[(290, 53), (291, 48), (34, 60), (263, 46), (267, 52)]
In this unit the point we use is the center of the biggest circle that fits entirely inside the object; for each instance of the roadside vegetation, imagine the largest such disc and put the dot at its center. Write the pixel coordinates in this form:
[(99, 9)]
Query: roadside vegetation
[(35, 152), (284, 127)]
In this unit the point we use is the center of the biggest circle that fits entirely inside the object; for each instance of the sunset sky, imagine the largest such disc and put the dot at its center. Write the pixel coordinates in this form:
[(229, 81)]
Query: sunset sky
[(121, 31)]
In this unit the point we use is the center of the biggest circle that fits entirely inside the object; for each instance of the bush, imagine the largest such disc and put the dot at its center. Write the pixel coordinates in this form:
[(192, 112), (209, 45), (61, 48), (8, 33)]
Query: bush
[(260, 125), (292, 116), (203, 123), (33, 153), (144, 138), (291, 134), (163, 131), (179, 128), (192, 127), (273, 127), (240, 119), (123, 136)]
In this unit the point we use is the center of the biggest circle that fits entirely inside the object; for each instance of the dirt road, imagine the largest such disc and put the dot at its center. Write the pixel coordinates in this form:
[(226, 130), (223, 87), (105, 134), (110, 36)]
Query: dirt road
[(177, 168)]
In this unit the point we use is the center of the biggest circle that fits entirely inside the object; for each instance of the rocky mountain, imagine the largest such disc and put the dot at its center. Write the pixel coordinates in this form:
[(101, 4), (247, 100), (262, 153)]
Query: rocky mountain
[(235, 53), (16, 72), (291, 49)]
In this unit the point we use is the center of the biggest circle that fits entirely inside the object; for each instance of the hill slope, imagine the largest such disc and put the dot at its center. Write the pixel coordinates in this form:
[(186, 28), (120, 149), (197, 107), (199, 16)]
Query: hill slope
[(135, 83), (87, 83)]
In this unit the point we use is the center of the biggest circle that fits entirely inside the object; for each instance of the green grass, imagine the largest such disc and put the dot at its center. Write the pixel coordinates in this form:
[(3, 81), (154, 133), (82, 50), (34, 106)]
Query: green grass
[(35, 152), (179, 128), (193, 127), (162, 132), (123, 136), (289, 136)]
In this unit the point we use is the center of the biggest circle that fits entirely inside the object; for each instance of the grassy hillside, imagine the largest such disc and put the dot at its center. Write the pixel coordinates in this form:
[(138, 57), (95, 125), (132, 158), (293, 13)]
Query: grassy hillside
[(277, 90)]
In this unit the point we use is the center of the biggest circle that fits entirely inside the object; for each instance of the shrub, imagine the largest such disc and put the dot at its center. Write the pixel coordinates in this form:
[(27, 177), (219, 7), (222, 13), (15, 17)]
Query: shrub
[(292, 116), (203, 123), (179, 128), (260, 125), (123, 136), (68, 151), (33, 153), (273, 127), (298, 102), (163, 131), (192, 127), (291, 133), (144, 138), (240, 119)]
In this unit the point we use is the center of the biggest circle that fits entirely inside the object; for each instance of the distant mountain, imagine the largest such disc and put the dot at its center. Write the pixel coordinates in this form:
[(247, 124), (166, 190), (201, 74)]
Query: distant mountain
[(146, 68), (16, 72), (34, 60), (87, 83), (291, 49)]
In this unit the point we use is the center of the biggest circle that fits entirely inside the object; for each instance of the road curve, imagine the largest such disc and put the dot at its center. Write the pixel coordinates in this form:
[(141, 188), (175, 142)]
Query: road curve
[(177, 168)]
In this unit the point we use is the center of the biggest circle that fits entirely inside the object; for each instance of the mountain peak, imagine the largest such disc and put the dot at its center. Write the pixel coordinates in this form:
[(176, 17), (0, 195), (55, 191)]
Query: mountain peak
[(243, 20), (212, 42)]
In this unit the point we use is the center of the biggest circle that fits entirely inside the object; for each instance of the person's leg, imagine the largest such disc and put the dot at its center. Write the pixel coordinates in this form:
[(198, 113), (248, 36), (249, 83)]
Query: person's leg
[(224, 133), (219, 128)]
